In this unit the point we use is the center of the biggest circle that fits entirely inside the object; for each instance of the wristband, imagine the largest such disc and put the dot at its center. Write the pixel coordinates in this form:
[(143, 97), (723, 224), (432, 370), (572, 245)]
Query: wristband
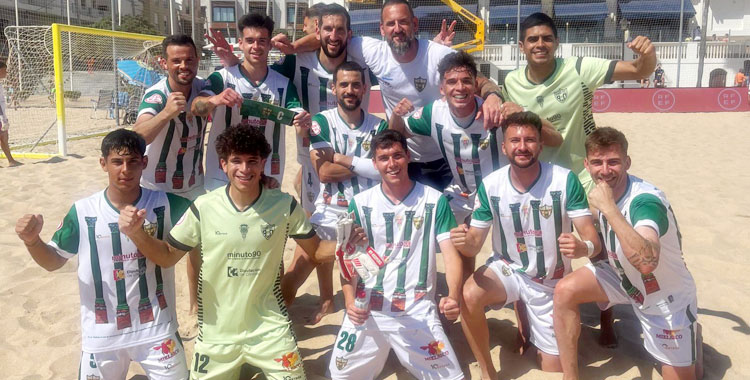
[(487, 95), (589, 247)]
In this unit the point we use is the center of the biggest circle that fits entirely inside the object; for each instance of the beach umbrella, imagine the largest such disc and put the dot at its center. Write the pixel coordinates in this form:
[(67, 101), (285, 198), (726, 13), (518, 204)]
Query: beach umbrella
[(137, 73)]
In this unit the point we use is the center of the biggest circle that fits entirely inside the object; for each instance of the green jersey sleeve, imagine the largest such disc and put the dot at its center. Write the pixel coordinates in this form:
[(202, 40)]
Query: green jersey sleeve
[(595, 72), (299, 225), (320, 133), (214, 83), (354, 210), (575, 194), (286, 66), (177, 206), (67, 236), (419, 122), (445, 221), (153, 102), (292, 99), (482, 211), (648, 207), (382, 126), (186, 233)]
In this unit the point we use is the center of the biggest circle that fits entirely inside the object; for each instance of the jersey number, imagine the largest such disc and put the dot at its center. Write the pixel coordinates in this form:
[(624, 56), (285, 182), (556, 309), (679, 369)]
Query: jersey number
[(200, 363), (347, 341)]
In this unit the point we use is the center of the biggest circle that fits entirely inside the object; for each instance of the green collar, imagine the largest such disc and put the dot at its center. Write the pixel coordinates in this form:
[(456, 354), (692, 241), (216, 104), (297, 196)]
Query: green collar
[(106, 198)]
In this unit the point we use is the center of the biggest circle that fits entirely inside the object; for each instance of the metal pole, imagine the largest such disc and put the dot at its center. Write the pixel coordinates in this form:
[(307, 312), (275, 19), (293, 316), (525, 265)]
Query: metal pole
[(518, 34), (70, 49), (171, 16), (679, 46), (114, 68), (119, 12), (294, 31), (192, 19), (702, 47), (18, 49)]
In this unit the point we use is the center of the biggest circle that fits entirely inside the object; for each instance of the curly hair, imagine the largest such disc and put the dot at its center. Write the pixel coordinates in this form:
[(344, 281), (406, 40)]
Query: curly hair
[(242, 139)]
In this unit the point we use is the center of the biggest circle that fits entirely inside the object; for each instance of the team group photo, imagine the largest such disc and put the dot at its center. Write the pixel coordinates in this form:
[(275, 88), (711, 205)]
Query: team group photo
[(392, 189)]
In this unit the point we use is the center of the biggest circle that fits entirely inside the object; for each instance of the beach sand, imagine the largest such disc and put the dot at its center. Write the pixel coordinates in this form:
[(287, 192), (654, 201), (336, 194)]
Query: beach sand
[(699, 160)]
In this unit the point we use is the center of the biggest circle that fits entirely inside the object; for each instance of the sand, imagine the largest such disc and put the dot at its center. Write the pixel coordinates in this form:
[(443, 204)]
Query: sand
[(699, 160)]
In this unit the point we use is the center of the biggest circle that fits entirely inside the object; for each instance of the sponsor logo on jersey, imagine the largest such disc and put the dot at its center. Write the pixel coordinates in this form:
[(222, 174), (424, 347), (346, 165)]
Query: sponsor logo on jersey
[(243, 230), (669, 334), (290, 361), (154, 99), (366, 145), (118, 274), (540, 101), (506, 271), (435, 349), (127, 256), (554, 118), (315, 128), (150, 228), (268, 230), (420, 83), (243, 255), (168, 349), (668, 347), (561, 95), (418, 221), (240, 272), (546, 211), (341, 362)]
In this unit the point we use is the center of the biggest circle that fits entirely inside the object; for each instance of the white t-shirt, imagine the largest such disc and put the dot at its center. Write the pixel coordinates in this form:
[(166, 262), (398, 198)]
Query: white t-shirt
[(177, 151), (418, 81), (126, 299), (526, 225)]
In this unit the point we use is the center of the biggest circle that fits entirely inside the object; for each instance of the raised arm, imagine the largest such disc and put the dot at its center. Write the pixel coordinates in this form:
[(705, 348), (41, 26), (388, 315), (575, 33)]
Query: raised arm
[(149, 125), (397, 122), (204, 104), (162, 254), (28, 228), (642, 66)]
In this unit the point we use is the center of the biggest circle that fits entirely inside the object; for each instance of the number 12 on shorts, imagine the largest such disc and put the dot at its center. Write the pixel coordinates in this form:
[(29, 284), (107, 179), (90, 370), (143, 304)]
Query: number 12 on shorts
[(347, 341)]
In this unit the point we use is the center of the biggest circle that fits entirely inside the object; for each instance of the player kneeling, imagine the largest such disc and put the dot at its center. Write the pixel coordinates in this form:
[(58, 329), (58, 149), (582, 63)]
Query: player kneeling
[(645, 269), (127, 301), (402, 220)]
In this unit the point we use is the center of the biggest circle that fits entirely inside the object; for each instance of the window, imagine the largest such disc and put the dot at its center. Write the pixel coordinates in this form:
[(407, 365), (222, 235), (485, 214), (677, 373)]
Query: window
[(258, 7), (223, 14), (301, 8)]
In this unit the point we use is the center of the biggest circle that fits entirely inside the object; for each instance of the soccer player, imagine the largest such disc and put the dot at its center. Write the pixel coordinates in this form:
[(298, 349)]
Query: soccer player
[(561, 90), (252, 79), (241, 230), (4, 124), (659, 77), (531, 207), (175, 136), (127, 301), (403, 220), (472, 152), (645, 269)]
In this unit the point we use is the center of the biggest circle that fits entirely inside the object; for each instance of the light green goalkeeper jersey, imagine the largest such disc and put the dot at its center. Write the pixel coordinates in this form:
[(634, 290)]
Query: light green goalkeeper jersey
[(239, 295), (564, 99)]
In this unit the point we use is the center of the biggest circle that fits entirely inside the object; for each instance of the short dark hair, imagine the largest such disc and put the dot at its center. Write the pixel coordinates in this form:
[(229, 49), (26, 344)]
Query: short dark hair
[(335, 10), (313, 11), (459, 59), (121, 141), (242, 139), (536, 19), (178, 40), (387, 3), (605, 137), (256, 20), (526, 118), (385, 139), (348, 66)]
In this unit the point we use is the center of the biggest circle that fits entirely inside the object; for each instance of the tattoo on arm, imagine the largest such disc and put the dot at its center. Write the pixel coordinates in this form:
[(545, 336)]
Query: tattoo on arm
[(201, 107)]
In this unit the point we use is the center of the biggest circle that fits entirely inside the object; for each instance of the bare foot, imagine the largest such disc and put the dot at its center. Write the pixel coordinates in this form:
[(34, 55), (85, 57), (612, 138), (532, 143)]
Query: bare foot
[(14, 163), (326, 307), (608, 338)]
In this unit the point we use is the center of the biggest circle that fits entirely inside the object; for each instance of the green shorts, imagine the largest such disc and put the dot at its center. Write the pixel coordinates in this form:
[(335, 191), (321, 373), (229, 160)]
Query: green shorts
[(277, 357)]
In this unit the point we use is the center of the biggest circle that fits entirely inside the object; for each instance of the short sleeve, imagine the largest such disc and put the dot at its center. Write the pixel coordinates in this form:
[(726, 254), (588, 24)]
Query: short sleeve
[(299, 225), (355, 211), (320, 133), (292, 99), (595, 72), (419, 123), (214, 84), (65, 240), (482, 215), (382, 126), (177, 206), (152, 103), (445, 221), (186, 233), (576, 204), (648, 210), (286, 66), (364, 50)]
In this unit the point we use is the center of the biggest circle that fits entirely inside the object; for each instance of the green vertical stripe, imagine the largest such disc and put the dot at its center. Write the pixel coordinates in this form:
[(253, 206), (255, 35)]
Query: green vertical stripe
[(322, 90), (541, 269), (367, 211), (625, 283), (515, 210), (457, 156), (439, 129), (123, 311), (159, 211), (557, 214), (475, 141), (357, 153), (426, 240), (494, 149), (304, 74), (693, 337), (100, 307), (495, 202), (227, 116), (401, 279), (179, 176), (161, 165), (388, 216)]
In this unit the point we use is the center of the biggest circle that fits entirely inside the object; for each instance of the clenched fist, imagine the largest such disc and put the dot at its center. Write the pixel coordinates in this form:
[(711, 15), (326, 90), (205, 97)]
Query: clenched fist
[(403, 108), (28, 228), (176, 104), (450, 308), (131, 219)]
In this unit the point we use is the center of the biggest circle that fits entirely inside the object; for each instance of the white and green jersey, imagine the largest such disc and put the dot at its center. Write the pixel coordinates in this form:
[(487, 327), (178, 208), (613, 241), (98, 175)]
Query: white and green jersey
[(406, 235), (526, 225), (175, 162), (275, 89), (314, 83), (669, 288), (418, 81), (471, 151), (239, 294), (126, 299), (329, 130), (564, 99)]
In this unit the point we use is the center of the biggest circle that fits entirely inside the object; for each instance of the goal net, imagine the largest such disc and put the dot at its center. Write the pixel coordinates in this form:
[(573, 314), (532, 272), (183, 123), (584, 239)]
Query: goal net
[(67, 81)]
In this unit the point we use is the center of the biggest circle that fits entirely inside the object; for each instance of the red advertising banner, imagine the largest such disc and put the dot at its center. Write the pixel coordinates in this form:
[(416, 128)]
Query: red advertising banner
[(728, 99)]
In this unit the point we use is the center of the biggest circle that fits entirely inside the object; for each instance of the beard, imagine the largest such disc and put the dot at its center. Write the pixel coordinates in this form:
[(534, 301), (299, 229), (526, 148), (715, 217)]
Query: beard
[(346, 106), (184, 82), (531, 162), (331, 54), (400, 48)]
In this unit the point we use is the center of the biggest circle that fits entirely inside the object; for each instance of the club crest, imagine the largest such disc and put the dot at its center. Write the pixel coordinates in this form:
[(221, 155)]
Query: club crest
[(150, 228), (341, 362), (243, 230), (546, 211), (268, 230), (561, 95), (506, 271), (540, 101), (418, 220), (366, 145), (420, 83)]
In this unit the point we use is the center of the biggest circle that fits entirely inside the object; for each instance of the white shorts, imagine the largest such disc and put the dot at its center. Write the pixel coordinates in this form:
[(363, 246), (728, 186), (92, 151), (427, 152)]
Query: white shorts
[(360, 352), (462, 204), (538, 300), (670, 339), (310, 186), (324, 223), (162, 359)]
